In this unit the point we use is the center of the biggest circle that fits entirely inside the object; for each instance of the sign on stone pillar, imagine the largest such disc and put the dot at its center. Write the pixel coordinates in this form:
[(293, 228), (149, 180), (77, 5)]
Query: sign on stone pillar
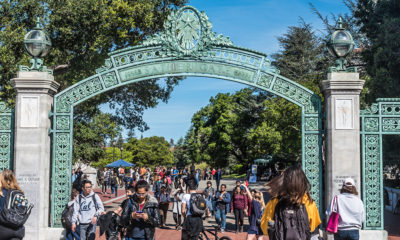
[(35, 91), (342, 105)]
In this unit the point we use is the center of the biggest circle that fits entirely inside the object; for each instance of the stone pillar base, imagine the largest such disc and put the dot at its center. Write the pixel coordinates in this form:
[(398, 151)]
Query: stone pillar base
[(45, 234), (373, 235)]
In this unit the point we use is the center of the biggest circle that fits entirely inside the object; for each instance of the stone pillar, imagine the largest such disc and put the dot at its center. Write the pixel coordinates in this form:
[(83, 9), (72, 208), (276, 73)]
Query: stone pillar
[(342, 106), (35, 91)]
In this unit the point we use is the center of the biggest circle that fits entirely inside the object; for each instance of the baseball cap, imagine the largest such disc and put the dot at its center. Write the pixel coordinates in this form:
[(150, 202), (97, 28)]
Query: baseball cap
[(349, 182)]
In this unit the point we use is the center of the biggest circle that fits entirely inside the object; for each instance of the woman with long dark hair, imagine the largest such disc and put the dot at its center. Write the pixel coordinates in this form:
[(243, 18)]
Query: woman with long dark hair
[(351, 211), (238, 206), (290, 191), (8, 182)]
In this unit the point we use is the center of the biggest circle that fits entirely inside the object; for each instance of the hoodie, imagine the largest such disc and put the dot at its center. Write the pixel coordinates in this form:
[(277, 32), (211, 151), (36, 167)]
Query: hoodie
[(86, 210)]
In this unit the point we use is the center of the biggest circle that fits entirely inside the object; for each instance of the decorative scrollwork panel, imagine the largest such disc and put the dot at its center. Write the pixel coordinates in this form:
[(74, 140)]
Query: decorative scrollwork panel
[(382, 118), (372, 172), (6, 136), (311, 165)]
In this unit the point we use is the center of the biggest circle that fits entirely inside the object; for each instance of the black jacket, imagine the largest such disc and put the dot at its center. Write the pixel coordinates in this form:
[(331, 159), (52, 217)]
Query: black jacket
[(150, 207)]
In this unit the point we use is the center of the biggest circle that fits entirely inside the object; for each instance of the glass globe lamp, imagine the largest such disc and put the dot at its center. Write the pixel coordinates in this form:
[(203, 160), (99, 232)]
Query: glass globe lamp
[(37, 44), (339, 45)]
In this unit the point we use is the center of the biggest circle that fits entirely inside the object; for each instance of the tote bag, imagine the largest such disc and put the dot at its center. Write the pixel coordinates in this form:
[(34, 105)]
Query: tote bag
[(333, 221)]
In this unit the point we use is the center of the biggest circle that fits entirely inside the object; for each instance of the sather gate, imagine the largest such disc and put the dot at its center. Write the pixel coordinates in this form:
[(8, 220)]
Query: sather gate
[(186, 47)]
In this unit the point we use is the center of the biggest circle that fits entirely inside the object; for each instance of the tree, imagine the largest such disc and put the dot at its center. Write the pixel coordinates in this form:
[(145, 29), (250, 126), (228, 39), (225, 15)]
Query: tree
[(90, 137), (380, 22), (302, 56), (150, 151), (83, 32), (181, 154)]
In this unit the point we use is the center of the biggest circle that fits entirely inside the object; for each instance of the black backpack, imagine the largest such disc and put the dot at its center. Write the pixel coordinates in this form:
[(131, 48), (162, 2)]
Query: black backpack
[(291, 222), (16, 210), (66, 216), (197, 204)]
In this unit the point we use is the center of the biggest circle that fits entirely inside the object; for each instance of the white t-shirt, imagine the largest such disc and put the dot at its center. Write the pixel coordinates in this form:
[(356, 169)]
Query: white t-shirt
[(186, 200)]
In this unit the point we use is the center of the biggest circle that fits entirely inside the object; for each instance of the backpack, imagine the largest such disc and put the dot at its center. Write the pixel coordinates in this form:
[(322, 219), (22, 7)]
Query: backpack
[(291, 222), (66, 216), (197, 204), (113, 180), (16, 210)]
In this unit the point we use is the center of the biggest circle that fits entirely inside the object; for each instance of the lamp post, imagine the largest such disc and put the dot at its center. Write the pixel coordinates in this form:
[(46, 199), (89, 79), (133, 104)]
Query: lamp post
[(339, 45), (114, 151), (122, 149), (37, 43)]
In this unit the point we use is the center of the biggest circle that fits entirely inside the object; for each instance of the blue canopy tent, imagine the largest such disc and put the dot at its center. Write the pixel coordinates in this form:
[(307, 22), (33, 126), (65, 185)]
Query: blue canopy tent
[(119, 163)]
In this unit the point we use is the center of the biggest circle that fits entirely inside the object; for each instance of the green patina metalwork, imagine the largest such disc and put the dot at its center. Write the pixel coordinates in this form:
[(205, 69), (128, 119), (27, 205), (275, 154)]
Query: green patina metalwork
[(187, 47), (381, 118), (6, 137)]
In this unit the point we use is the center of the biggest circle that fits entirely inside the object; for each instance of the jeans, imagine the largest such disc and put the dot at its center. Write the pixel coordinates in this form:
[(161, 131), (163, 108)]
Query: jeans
[(163, 207), (72, 235), (114, 188), (239, 216), (104, 186), (221, 214), (88, 231), (347, 235), (177, 219), (217, 181)]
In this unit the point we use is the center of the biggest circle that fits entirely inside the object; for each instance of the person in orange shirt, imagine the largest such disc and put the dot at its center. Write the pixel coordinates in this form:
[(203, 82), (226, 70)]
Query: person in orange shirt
[(290, 188), (142, 171)]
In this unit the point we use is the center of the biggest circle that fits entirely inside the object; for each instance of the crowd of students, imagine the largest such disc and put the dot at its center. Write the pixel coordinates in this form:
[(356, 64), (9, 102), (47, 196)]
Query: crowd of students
[(290, 213)]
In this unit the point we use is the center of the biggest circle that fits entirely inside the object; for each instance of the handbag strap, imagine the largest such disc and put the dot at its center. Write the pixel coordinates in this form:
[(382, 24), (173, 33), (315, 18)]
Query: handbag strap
[(335, 207)]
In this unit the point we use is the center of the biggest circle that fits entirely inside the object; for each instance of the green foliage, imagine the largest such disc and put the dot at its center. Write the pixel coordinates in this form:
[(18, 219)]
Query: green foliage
[(236, 129), (237, 168), (302, 56), (150, 151), (90, 137), (83, 32), (181, 154), (380, 23)]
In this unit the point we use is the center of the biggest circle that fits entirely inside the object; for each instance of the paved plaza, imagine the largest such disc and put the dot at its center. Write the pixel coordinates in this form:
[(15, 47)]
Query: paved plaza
[(391, 221)]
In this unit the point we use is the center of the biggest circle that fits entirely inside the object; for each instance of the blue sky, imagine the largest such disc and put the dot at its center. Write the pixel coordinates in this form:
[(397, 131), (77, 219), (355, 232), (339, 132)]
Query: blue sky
[(254, 24)]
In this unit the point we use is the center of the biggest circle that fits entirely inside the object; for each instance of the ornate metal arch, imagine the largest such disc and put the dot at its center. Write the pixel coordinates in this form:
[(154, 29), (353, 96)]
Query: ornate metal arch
[(382, 118), (187, 47), (6, 136)]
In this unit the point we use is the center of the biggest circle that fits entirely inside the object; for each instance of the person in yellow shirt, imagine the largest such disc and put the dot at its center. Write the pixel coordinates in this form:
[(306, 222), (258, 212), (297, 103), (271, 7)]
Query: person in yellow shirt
[(290, 188)]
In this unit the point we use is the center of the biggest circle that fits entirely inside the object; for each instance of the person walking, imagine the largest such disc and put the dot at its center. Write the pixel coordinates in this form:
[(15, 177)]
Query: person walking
[(87, 209), (164, 200), (290, 196), (114, 184), (218, 176), (121, 175), (257, 208), (223, 200), (193, 224), (238, 206), (8, 182), (140, 214), (72, 235), (106, 177), (177, 207), (209, 193), (351, 211)]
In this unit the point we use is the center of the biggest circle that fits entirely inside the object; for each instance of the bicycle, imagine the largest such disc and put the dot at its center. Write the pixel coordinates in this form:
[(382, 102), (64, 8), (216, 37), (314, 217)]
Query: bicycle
[(203, 235)]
